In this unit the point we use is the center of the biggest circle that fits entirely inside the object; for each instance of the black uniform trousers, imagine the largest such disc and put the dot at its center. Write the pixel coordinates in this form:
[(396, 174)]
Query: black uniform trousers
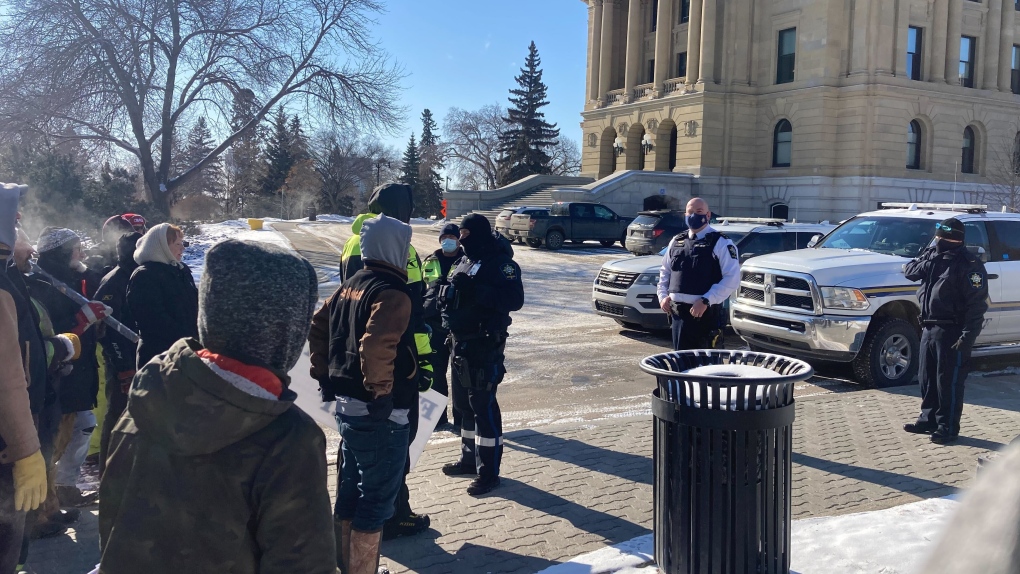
[(695, 332), (941, 372), (481, 424), (440, 360)]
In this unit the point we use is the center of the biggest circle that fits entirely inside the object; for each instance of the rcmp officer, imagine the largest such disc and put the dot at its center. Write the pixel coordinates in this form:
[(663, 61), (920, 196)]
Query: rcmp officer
[(700, 270), (485, 287), (954, 297)]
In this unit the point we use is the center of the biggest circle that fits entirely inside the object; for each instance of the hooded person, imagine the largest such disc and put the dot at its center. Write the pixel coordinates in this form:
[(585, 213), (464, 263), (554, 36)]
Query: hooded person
[(437, 267), (118, 352), (487, 287), (22, 466), (60, 256), (212, 467), (396, 200), (103, 257), (364, 359), (161, 294)]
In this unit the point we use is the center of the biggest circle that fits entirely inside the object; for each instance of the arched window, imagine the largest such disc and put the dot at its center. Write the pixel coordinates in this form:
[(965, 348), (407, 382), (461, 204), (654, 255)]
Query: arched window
[(914, 140), (782, 143), (779, 211), (967, 159)]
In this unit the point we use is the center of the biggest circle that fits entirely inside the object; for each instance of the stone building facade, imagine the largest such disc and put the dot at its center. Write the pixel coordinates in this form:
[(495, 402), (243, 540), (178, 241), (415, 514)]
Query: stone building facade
[(818, 108)]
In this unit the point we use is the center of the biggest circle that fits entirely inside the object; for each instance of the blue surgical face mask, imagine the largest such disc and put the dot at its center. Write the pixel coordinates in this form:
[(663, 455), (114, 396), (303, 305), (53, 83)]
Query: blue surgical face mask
[(449, 245), (696, 221)]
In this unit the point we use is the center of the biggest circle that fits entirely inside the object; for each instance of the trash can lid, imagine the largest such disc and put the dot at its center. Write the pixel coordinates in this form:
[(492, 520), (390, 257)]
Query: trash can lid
[(686, 365)]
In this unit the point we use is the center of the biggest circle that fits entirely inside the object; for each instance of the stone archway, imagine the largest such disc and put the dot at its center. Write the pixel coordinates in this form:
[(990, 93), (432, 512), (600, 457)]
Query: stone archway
[(666, 137), (607, 155), (632, 152)]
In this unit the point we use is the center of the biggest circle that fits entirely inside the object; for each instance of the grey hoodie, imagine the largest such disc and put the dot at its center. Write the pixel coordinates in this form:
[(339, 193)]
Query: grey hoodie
[(385, 239)]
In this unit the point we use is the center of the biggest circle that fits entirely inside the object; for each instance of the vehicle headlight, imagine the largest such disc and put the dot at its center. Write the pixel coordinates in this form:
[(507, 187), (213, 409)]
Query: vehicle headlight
[(647, 279), (844, 298)]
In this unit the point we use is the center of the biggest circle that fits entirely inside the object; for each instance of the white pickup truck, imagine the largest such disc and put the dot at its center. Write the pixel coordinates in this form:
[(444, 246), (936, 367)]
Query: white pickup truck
[(846, 299)]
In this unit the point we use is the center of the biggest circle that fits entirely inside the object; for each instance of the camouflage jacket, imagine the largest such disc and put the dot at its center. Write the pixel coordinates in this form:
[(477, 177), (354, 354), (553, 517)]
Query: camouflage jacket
[(205, 478)]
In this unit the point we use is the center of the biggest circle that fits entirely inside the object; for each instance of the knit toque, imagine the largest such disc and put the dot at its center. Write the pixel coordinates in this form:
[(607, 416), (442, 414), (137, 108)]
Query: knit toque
[(255, 303)]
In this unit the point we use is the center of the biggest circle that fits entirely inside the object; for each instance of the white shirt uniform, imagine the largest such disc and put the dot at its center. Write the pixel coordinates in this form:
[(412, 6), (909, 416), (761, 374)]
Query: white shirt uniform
[(729, 262)]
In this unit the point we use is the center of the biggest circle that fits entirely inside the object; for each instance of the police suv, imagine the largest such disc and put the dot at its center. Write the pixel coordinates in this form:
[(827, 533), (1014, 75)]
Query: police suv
[(847, 299), (624, 289)]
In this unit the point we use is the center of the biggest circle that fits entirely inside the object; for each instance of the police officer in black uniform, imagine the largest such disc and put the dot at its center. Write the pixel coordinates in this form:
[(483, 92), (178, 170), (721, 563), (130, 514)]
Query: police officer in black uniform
[(700, 270), (954, 297), (485, 287)]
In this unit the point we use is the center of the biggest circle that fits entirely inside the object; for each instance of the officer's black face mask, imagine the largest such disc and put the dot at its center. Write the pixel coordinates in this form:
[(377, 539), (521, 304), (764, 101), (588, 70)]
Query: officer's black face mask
[(941, 246)]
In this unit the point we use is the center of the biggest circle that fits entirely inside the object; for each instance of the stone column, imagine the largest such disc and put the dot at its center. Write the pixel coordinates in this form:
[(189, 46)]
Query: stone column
[(694, 43), (606, 60), (594, 49), (859, 47), (663, 42), (953, 42), (634, 49), (1006, 46), (708, 24), (902, 33), (993, 51), (937, 69)]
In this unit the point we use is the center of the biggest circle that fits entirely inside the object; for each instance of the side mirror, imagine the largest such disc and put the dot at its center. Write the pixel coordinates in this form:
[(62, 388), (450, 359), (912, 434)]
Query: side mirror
[(814, 240)]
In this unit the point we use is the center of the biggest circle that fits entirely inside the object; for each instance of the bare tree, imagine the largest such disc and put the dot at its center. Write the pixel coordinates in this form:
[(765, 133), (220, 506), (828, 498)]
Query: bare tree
[(1004, 172), (565, 157), (350, 168), (472, 143), (126, 73)]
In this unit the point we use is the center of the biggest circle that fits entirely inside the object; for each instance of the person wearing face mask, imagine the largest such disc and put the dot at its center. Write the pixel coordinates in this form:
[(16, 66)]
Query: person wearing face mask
[(485, 287), (61, 255), (436, 269), (700, 270), (953, 295), (161, 293)]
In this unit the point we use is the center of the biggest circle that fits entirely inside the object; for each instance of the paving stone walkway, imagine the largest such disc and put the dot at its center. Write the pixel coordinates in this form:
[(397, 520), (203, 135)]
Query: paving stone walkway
[(572, 489)]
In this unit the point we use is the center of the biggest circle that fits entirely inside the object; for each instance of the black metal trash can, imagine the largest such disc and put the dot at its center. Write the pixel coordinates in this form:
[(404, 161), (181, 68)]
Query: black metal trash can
[(723, 462), (310, 212)]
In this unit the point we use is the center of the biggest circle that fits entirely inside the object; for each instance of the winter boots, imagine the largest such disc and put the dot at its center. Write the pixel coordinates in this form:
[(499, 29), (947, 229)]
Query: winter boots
[(342, 535), (364, 553), (409, 525)]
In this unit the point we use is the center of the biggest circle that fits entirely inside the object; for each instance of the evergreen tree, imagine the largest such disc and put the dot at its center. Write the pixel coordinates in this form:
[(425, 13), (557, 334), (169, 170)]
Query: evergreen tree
[(411, 168), (278, 155), (245, 166), (523, 144), (430, 200), (298, 140), (210, 180)]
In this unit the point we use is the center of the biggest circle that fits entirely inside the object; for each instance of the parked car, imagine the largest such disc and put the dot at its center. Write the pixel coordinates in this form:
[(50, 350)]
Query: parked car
[(503, 219), (573, 221), (847, 300), (651, 230), (625, 289)]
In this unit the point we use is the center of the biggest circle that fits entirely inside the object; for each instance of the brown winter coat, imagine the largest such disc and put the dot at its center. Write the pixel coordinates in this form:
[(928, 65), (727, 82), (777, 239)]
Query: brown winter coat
[(16, 426)]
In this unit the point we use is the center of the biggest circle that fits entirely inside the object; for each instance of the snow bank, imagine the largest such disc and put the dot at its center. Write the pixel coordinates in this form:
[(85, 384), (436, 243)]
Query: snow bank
[(892, 541), (213, 233)]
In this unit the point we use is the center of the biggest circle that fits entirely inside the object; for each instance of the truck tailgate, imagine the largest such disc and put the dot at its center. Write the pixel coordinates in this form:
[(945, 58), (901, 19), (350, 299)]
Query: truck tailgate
[(520, 225)]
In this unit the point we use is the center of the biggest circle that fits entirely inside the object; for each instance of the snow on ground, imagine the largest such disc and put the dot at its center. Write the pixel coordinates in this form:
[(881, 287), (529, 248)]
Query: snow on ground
[(892, 541), (213, 233)]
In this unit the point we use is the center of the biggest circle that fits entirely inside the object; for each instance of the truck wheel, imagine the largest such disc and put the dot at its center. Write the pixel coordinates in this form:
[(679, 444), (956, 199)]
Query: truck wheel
[(889, 356), (607, 242), (554, 240), (536, 243)]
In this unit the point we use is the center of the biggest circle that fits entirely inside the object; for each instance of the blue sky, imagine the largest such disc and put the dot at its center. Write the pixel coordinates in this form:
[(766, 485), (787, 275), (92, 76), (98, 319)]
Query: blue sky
[(465, 53)]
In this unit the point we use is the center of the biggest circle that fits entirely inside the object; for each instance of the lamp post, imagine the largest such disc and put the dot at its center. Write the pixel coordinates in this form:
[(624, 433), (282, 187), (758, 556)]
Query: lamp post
[(378, 168), (646, 144), (618, 146)]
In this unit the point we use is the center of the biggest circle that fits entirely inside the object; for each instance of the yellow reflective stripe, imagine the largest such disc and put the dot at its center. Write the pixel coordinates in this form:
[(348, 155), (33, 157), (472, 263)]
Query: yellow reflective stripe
[(421, 340)]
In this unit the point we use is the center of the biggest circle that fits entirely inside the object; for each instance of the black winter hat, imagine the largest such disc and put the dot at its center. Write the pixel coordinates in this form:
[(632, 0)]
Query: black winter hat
[(255, 303), (951, 228), (126, 249), (449, 229), (477, 224), (394, 200)]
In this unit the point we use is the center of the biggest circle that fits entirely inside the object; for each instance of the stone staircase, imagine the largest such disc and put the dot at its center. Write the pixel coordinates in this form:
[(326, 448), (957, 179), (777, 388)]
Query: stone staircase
[(540, 196)]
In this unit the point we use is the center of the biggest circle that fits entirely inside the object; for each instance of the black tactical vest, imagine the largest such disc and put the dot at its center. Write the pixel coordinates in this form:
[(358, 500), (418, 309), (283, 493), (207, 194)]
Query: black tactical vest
[(693, 266)]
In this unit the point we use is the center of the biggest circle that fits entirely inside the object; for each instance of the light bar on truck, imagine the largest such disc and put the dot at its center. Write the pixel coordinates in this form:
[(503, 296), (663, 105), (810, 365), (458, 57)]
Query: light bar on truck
[(936, 206)]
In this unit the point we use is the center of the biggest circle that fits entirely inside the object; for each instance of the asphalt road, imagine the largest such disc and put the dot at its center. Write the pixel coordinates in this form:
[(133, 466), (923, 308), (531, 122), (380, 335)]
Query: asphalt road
[(564, 362)]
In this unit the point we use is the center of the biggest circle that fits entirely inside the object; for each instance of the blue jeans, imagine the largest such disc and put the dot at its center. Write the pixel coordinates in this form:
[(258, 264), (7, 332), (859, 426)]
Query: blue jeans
[(374, 455)]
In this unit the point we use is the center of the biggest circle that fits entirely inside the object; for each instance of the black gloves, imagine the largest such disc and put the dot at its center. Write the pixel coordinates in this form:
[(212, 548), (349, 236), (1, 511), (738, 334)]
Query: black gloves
[(381, 408), (425, 375)]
